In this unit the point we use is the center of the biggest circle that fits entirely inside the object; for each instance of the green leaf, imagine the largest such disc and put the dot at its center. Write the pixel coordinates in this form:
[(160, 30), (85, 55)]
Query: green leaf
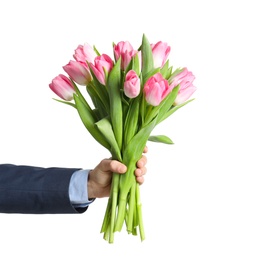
[(88, 118), (162, 108), (147, 56), (164, 71), (148, 75), (132, 154), (105, 128), (79, 94), (96, 50), (160, 139), (97, 101), (101, 90), (172, 110), (136, 146), (167, 103), (142, 108), (65, 102), (174, 73), (131, 121), (113, 85), (134, 65)]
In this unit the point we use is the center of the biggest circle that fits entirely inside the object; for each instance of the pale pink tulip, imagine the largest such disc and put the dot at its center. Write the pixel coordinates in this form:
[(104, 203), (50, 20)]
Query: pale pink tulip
[(184, 94), (124, 50), (78, 72), (186, 88), (85, 53), (131, 84), (63, 87), (160, 52), (156, 89), (101, 64)]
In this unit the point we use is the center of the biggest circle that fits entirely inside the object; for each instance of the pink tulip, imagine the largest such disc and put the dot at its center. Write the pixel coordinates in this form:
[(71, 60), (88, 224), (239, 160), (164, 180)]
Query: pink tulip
[(184, 95), (186, 88), (160, 52), (132, 84), (156, 89), (101, 64), (85, 53), (78, 72), (63, 87), (124, 50)]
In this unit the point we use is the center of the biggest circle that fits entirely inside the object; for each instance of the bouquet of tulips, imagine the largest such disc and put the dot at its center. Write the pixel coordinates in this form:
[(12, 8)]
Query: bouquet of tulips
[(129, 96)]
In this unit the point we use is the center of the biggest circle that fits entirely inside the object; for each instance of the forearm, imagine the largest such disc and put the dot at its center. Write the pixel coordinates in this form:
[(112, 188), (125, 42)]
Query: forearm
[(35, 190)]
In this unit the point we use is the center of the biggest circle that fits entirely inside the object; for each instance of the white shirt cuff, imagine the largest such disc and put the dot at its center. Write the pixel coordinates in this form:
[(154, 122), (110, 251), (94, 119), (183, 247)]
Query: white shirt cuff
[(78, 189)]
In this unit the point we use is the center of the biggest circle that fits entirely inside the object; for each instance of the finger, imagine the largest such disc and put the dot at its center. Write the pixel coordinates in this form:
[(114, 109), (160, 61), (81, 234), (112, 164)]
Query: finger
[(142, 162), (140, 180), (145, 149), (112, 166), (140, 172), (116, 166)]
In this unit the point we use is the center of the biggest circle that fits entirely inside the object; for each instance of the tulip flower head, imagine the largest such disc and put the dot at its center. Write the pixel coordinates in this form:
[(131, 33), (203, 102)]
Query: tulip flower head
[(132, 84), (78, 72), (160, 52), (102, 64), (63, 87), (124, 50), (156, 89), (85, 53), (185, 80)]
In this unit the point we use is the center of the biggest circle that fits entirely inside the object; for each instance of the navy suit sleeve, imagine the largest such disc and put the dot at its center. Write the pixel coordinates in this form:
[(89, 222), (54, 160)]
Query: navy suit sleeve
[(35, 190)]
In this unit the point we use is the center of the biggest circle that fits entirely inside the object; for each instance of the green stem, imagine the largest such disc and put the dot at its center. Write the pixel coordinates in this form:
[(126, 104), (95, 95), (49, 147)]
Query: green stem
[(106, 234), (148, 114), (139, 212), (105, 223), (114, 206), (109, 218), (126, 181), (121, 213), (131, 208)]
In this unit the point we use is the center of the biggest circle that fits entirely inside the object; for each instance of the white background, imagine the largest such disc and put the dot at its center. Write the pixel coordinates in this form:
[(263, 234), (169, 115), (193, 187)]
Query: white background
[(203, 197)]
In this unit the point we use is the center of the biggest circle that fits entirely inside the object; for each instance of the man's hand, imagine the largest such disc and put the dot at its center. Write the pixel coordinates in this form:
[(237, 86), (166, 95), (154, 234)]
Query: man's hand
[(99, 180)]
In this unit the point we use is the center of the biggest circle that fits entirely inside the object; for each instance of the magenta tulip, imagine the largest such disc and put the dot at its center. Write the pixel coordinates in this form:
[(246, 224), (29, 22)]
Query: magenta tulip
[(63, 87), (85, 53), (160, 52), (124, 50), (132, 84), (186, 88), (78, 72), (101, 65), (156, 89)]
